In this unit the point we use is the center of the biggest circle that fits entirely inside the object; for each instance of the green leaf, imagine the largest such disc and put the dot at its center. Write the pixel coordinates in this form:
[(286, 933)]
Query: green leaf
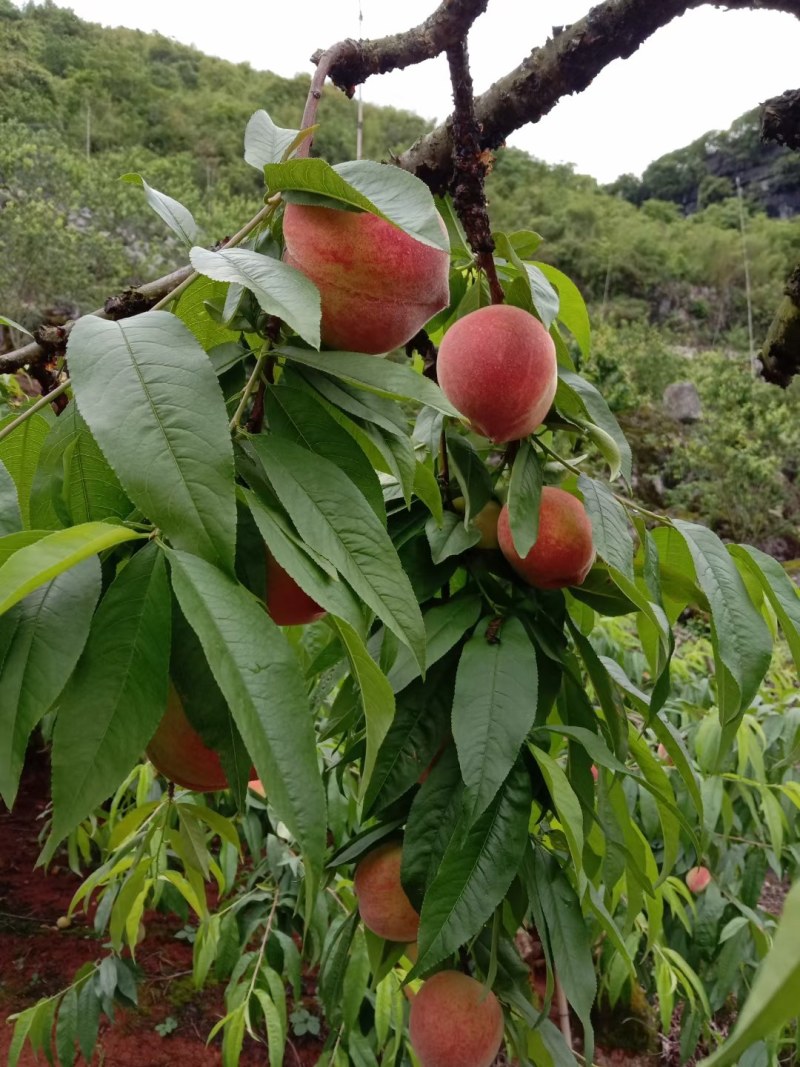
[(117, 695), (524, 496), (475, 872), (264, 142), (279, 289), (383, 376), (332, 594), (377, 697), (41, 639), (445, 625), (427, 489), (73, 481), (779, 589), (389, 192), (51, 555), (544, 296), (192, 308), (67, 1027), (88, 1019), (609, 520), (10, 515), (566, 804), (154, 406), (742, 644), (451, 538), (471, 474), (19, 453), (332, 516), (579, 401), (419, 728), (494, 707), (568, 937), (356, 980), (775, 992), (260, 678), (177, 217), (296, 415), (6, 321), (572, 308)]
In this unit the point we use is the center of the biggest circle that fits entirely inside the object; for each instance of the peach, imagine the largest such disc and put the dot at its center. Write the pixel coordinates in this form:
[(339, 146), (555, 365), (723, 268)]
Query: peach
[(698, 879), (455, 1022), (378, 285), (563, 553), (179, 753), (664, 756), (287, 604), (385, 909), (485, 521), (497, 366)]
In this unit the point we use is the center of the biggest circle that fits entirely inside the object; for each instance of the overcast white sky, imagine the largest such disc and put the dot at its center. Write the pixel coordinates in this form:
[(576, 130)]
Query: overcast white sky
[(697, 74)]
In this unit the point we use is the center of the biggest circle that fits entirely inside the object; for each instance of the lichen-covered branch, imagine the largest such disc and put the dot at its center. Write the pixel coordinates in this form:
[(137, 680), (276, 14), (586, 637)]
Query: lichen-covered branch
[(780, 119), (565, 64), (780, 356)]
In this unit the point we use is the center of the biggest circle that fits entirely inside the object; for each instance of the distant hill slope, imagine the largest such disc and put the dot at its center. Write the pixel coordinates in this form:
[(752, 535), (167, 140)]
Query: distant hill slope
[(705, 172)]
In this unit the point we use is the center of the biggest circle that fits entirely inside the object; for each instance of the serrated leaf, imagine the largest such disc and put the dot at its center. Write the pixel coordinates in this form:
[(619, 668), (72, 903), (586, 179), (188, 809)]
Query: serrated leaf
[(36, 563), (568, 937), (427, 489), (154, 406), (471, 474), (571, 307), (67, 1027), (279, 289), (475, 873), (192, 308), (333, 595), (372, 372), (775, 992), (742, 642), (431, 824), (419, 728), (264, 142), (779, 589), (19, 453), (73, 481), (377, 697), (261, 680), (389, 192), (451, 537), (445, 625), (296, 415), (494, 707), (334, 518), (610, 531), (356, 980), (41, 639), (10, 515), (333, 964), (566, 804), (117, 695), (524, 497), (174, 214), (545, 297), (88, 1019), (579, 401)]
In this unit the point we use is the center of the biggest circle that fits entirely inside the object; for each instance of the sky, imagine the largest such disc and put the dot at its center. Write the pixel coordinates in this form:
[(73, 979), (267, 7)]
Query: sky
[(695, 75)]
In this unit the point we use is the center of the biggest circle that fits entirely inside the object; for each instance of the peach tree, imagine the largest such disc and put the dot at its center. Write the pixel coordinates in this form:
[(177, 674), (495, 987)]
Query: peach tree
[(327, 506)]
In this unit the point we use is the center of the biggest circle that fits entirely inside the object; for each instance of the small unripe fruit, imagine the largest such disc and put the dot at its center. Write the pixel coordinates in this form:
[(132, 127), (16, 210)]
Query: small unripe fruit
[(595, 772), (665, 756), (564, 553), (455, 1022), (485, 521), (256, 785), (179, 753), (378, 285), (287, 603), (497, 366), (385, 909), (698, 879), (63, 922)]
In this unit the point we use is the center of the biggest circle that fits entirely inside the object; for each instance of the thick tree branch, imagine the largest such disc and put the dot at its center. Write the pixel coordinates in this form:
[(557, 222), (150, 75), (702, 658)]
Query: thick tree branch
[(780, 119), (566, 64), (356, 61)]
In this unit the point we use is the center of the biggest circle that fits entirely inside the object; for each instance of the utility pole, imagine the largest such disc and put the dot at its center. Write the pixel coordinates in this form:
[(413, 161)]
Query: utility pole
[(88, 130), (745, 257), (360, 112)]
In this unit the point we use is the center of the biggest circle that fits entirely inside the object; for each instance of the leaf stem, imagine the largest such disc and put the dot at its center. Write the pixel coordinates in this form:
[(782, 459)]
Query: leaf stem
[(252, 382)]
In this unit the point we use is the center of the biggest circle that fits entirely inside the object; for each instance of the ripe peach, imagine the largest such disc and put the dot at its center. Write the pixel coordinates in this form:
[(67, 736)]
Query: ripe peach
[(287, 604), (455, 1022), (698, 879), (497, 365), (563, 553), (378, 285), (385, 909), (178, 752)]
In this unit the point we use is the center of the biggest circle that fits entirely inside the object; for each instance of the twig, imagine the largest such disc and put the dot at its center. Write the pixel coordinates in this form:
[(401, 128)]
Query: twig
[(253, 380), (42, 402), (563, 1012)]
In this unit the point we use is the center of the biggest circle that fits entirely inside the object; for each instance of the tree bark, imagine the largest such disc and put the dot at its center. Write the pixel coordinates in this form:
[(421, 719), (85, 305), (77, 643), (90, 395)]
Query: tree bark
[(780, 356), (780, 119)]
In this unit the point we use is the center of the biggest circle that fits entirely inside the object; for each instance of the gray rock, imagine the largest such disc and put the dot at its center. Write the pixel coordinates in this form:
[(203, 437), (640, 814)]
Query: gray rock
[(682, 401)]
